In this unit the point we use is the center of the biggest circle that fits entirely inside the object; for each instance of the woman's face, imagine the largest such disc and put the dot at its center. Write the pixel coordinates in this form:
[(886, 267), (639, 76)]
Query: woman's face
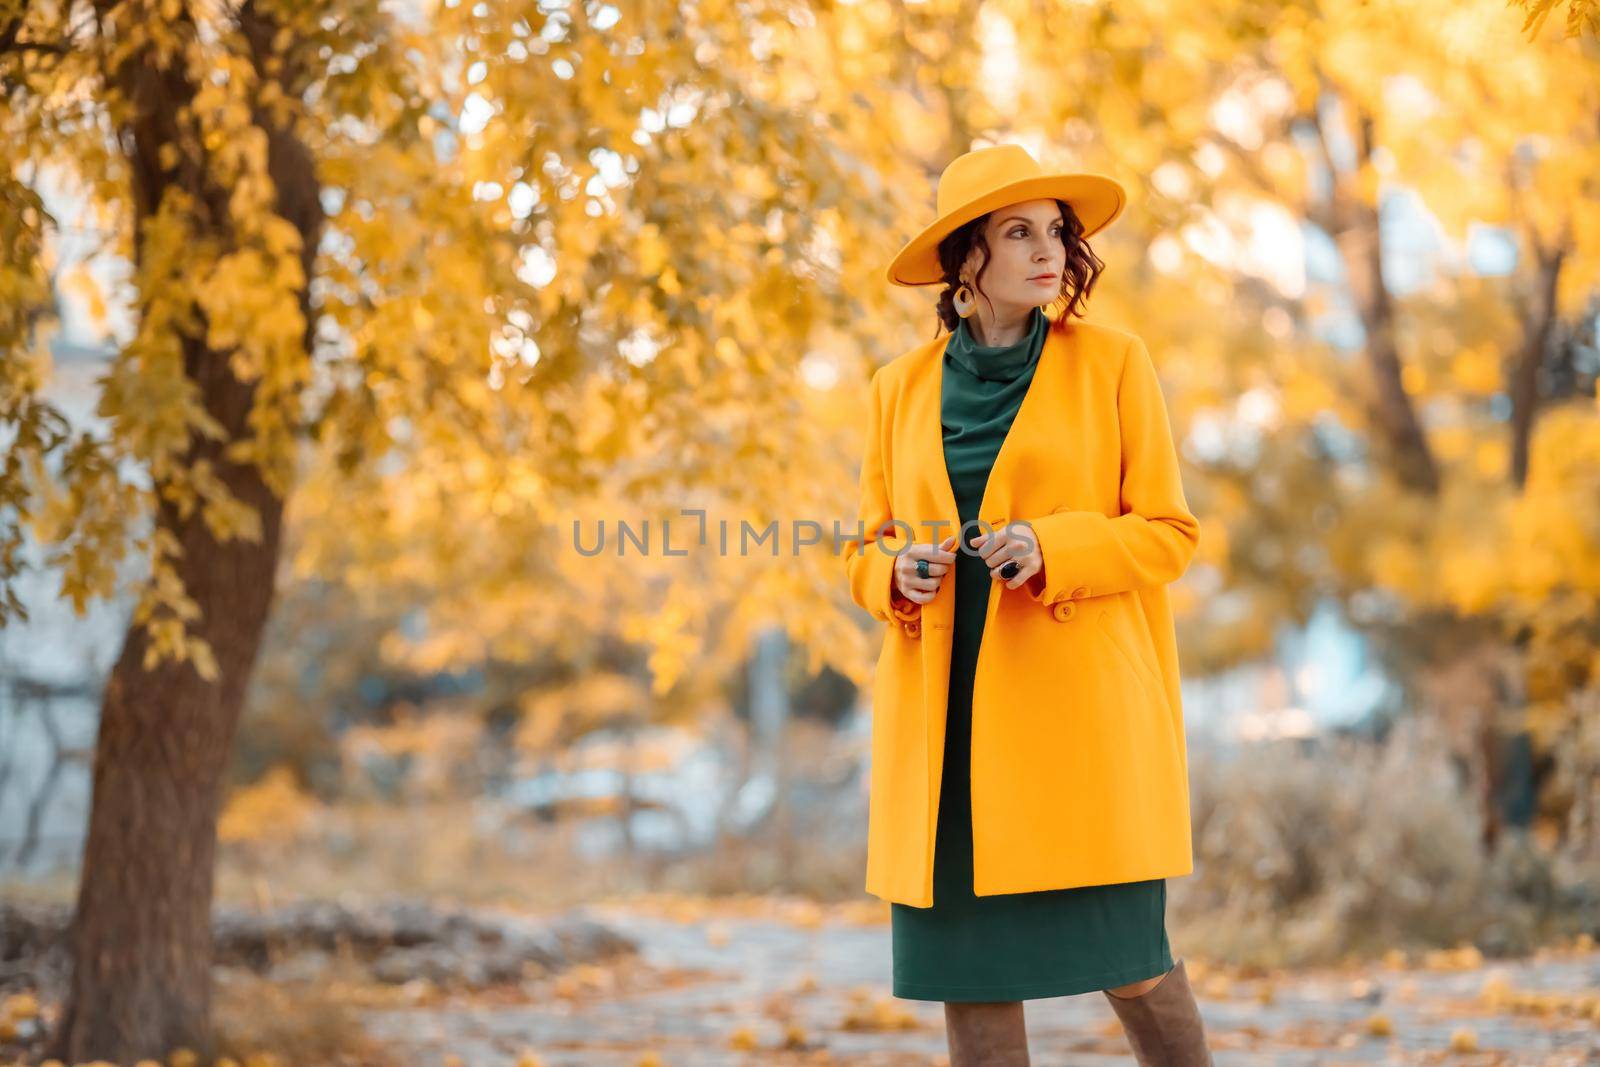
[(1027, 257)]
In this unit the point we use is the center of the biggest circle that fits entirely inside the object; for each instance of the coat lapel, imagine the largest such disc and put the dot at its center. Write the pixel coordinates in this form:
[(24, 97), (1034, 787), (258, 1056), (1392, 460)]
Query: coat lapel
[(944, 494), (1034, 413), (1040, 404)]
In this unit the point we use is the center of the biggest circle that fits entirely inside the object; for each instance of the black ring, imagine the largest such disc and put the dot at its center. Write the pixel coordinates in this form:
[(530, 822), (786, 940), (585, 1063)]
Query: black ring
[(922, 569), (1010, 570)]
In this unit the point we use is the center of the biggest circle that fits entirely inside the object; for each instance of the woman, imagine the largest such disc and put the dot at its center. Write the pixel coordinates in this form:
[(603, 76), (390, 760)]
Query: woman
[(1025, 814)]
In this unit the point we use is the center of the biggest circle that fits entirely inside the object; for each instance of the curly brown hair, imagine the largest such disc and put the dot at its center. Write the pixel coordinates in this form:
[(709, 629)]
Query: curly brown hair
[(1077, 280)]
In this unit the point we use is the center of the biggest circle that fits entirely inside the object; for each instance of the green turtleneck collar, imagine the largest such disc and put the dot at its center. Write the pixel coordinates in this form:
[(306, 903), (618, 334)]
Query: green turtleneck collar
[(998, 362)]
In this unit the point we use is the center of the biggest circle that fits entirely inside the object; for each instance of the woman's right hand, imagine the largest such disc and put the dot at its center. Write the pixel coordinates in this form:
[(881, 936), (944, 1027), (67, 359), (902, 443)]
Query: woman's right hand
[(921, 590)]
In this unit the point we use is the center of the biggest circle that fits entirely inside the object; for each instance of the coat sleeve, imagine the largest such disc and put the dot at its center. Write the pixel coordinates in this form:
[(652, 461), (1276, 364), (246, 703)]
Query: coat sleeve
[(870, 546), (1087, 553)]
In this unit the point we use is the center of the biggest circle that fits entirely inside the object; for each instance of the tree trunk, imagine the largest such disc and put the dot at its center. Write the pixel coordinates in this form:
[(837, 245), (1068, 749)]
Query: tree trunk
[(1468, 684), (141, 936), (1358, 235), (1538, 318)]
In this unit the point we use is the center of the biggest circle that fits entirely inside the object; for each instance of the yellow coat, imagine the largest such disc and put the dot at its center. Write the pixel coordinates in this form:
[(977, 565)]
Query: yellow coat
[(1079, 766)]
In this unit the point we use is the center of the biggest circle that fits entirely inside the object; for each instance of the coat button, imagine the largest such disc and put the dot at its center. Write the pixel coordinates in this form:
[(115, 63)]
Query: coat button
[(1080, 592), (913, 629), (1063, 612)]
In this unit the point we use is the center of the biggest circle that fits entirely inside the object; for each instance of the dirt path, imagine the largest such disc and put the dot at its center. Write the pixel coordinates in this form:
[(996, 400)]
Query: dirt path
[(710, 991)]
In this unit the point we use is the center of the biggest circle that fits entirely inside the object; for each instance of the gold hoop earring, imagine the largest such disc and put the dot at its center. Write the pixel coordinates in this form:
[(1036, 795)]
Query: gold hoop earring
[(964, 301)]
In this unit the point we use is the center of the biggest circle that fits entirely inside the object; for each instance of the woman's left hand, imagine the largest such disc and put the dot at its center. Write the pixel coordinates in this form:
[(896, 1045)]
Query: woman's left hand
[(1015, 540)]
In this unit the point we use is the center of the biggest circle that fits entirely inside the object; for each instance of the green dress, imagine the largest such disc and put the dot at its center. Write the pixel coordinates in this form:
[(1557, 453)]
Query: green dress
[(1011, 946)]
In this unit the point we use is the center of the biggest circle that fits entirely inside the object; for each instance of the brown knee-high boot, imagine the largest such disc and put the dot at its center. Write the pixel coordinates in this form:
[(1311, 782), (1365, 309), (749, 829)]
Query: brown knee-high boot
[(1163, 1023), (986, 1035)]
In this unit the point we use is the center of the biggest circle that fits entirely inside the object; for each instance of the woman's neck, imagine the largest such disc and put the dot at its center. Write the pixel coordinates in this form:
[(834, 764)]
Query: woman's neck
[(1001, 328)]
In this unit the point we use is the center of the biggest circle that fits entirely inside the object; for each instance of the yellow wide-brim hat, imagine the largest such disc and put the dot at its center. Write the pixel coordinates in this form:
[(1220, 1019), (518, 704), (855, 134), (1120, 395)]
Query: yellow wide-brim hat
[(984, 179)]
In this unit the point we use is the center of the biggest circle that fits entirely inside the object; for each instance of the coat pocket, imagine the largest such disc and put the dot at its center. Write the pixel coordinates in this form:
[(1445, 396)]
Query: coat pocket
[(1134, 662)]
